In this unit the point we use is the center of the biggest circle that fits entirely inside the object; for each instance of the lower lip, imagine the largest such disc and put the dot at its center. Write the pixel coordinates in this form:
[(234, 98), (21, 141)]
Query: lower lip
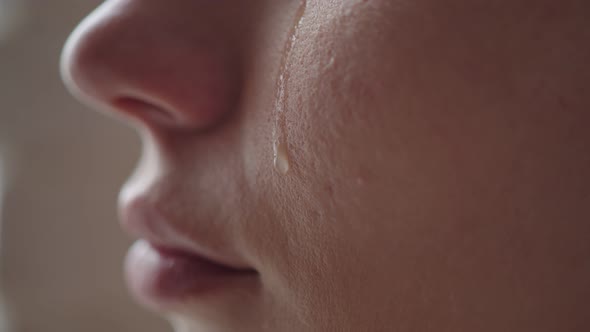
[(160, 279)]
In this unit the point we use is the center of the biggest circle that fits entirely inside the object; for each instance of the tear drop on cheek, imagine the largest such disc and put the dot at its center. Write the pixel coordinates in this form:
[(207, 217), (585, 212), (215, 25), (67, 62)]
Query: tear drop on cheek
[(281, 105), (281, 157)]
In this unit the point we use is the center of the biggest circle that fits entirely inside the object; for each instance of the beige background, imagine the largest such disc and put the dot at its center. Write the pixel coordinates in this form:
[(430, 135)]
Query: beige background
[(61, 249)]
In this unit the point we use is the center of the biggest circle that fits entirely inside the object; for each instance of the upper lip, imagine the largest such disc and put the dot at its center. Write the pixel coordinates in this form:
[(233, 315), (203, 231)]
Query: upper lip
[(142, 218)]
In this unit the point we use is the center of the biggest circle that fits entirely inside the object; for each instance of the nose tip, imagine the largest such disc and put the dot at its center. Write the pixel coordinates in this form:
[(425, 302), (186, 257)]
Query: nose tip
[(135, 64)]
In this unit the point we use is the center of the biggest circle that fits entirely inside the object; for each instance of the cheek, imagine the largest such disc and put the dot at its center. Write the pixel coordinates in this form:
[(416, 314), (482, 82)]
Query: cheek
[(331, 203), (344, 110), (413, 156)]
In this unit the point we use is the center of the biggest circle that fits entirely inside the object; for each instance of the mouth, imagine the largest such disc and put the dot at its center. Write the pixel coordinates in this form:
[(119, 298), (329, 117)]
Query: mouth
[(161, 277)]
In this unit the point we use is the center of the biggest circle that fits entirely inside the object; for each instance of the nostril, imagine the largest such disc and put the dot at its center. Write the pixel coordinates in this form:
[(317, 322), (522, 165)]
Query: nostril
[(135, 65), (143, 111)]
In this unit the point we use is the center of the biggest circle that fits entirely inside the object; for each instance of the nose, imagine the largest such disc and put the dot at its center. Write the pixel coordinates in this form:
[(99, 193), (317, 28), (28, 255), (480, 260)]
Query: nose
[(172, 64)]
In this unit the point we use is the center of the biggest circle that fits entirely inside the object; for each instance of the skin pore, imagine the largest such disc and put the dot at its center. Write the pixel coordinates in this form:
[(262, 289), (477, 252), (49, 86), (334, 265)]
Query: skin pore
[(439, 155)]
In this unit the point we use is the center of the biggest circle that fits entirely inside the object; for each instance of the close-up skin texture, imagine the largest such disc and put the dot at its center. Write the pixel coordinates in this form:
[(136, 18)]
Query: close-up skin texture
[(351, 165)]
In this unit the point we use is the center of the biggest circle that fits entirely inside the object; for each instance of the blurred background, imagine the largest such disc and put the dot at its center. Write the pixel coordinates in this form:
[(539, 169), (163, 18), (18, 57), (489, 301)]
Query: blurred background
[(61, 166)]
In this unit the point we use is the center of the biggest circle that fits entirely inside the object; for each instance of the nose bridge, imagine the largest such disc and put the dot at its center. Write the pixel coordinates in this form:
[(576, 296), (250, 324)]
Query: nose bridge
[(155, 61)]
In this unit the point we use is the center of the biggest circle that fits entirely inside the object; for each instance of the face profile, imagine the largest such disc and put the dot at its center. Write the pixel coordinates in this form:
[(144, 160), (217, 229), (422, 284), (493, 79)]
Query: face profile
[(350, 165)]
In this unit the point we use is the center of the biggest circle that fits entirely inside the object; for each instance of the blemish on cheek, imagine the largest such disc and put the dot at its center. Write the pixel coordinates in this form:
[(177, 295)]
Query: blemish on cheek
[(329, 190), (280, 140), (360, 181), (562, 102)]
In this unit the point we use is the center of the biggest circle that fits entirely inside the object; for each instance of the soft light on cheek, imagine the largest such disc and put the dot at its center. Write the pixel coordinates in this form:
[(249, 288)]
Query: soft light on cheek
[(12, 14)]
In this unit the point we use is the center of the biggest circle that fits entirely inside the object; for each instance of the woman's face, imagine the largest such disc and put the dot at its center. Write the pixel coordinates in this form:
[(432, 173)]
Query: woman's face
[(351, 165)]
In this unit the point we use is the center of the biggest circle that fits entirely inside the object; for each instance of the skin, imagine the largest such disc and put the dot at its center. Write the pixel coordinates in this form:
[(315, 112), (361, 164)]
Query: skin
[(439, 155)]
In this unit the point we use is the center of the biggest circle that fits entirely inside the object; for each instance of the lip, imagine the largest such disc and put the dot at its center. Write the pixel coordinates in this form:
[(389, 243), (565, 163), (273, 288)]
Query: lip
[(181, 260), (161, 278), (144, 213)]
